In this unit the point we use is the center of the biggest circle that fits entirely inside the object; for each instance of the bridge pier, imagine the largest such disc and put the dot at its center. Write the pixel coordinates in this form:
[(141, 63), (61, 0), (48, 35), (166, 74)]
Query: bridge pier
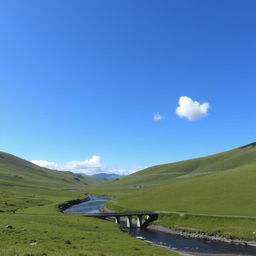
[(139, 221), (117, 219), (129, 221)]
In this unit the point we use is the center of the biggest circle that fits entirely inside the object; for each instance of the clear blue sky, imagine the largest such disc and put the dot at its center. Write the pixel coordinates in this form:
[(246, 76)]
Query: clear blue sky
[(83, 78)]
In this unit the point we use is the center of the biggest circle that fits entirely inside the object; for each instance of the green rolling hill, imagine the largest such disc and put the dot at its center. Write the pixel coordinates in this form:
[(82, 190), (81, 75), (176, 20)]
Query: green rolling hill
[(222, 184), (24, 184), (16, 171)]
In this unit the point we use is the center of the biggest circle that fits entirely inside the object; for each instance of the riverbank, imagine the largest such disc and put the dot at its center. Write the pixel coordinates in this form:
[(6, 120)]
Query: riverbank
[(214, 238), (64, 206)]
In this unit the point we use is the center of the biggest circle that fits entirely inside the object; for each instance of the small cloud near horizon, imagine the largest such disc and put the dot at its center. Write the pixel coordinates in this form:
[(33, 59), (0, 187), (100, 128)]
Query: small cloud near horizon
[(91, 166), (158, 117), (192, 110)]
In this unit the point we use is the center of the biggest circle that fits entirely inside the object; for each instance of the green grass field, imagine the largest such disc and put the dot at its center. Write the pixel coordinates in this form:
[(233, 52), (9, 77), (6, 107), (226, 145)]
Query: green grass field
[(31, 224), (218, 185), (67, 235)]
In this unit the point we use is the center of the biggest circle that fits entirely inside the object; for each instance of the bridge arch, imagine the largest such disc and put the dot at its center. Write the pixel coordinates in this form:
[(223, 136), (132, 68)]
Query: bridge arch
[(139, 221)]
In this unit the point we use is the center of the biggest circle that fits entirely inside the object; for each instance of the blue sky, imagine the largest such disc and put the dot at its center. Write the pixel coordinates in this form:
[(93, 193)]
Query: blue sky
[(84, 78)]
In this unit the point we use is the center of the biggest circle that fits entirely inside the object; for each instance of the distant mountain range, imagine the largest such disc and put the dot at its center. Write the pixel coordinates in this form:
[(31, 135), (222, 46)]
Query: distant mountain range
[(103, 176), (107, 176)]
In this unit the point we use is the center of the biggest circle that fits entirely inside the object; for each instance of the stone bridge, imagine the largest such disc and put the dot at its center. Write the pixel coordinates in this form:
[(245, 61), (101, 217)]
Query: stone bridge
[(132, 219)]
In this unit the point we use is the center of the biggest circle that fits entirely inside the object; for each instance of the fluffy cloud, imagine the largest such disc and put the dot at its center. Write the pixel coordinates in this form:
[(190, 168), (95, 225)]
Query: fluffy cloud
[(46, 164), (88, 167), (158, 117), (192, 110)]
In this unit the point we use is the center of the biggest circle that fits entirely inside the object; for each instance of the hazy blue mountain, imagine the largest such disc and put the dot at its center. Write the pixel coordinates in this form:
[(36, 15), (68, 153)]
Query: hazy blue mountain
[(107, 176)]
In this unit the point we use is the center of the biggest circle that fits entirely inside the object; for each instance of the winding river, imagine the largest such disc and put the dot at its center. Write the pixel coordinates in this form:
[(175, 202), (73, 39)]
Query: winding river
[(184, 246)]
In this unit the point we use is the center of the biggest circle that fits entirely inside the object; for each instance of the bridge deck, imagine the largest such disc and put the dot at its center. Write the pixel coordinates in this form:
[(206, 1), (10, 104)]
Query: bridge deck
[(110, 214)]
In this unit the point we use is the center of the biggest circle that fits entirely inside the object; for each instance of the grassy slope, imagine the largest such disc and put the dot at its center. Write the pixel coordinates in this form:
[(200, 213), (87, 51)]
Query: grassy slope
[(16, 171), (29, 196), (179, 172), (227, 187), (24, 184), (225, 193)]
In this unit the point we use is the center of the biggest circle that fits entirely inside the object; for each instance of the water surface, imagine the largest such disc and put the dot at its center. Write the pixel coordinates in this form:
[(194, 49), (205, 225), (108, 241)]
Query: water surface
[(92, 206), (191, 246)]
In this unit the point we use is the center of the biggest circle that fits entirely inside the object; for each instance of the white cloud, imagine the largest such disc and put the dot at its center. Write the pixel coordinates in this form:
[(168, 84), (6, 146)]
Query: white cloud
[(192, 110), (158, 117), (46, 164), (88, 167)]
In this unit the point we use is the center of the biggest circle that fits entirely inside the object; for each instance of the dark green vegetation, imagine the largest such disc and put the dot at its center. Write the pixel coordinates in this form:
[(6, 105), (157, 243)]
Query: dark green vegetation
[(218, 185), (31, 224)]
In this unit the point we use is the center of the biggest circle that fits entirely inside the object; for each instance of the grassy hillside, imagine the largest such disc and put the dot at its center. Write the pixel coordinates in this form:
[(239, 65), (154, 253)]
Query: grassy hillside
[(229, 192), (16, 171), (167, 174), (24, 184), (31, 224), (218, 185)]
